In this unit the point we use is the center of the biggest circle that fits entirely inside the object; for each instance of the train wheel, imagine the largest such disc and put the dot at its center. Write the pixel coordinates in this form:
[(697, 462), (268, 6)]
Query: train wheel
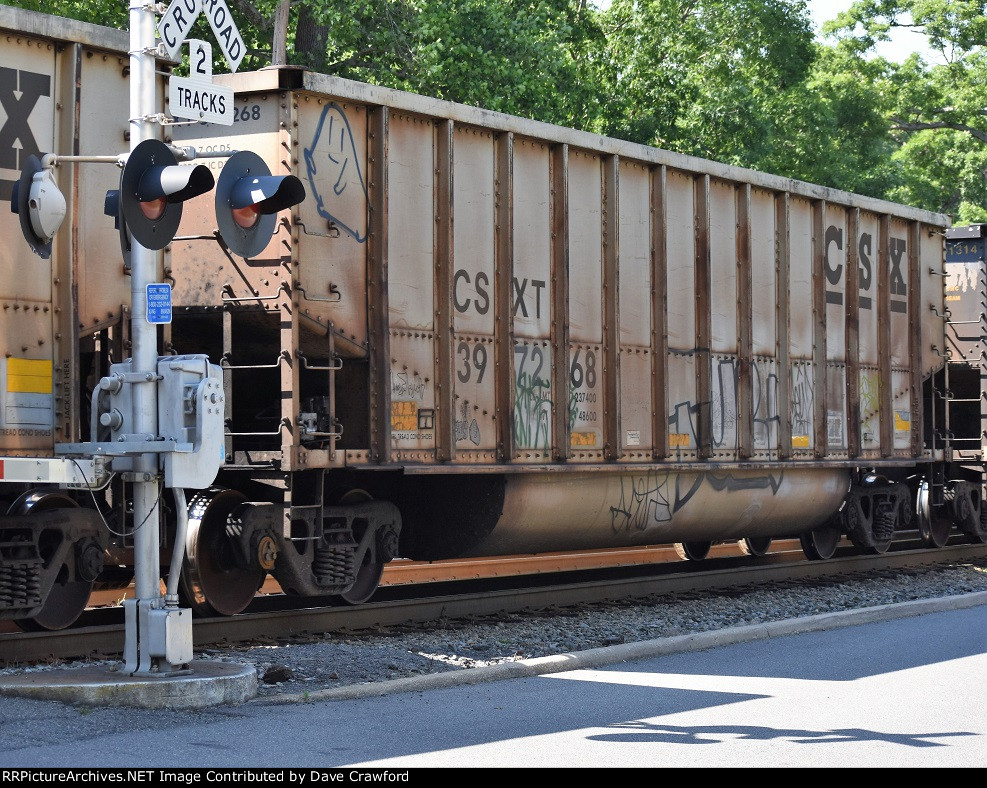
[(63, 606), (965, 501), (871, 519), (693, 551), (371, 570), (933, 527), (66, 601), (114, 578), (979, 535), (755, 546), (819, 544), (212, 582), (367, 580)]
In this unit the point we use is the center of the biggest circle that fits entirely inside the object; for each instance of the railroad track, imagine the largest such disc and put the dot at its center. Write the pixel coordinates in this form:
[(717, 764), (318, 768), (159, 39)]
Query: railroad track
[(502, 586), (406, 572)]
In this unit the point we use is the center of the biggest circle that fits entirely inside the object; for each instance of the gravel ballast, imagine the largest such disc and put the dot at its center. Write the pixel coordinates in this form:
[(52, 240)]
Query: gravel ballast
[(310, 666), (307, 664)]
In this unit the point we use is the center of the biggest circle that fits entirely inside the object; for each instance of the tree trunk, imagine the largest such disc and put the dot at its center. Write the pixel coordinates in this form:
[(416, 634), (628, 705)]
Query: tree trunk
[(311, 40), (280, 38)]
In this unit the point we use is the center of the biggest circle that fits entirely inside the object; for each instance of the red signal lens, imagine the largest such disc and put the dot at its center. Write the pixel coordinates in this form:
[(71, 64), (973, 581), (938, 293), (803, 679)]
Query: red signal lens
[(154, 209), (246, 217)]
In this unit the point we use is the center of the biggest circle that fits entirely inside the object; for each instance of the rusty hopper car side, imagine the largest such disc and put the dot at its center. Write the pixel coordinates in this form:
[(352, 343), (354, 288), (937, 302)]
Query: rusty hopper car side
[(530, 338)]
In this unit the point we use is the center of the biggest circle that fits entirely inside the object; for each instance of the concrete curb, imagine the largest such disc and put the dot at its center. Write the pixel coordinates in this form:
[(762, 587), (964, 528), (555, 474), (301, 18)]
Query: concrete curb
[(609, 655)]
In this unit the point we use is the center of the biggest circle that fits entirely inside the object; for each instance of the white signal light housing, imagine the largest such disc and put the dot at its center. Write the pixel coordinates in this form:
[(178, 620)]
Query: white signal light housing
[(40, 204)]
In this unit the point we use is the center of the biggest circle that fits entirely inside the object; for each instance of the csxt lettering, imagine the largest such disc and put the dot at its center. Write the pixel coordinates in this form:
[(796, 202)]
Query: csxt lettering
[(473, 293)]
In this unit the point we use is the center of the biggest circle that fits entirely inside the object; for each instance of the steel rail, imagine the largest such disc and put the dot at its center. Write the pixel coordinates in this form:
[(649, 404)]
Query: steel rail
[(686, 576)]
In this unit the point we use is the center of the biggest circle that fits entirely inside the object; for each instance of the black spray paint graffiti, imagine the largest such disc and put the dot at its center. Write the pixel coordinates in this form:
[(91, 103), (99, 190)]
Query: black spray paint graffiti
[(405, 386), (19, 94), (466, 428), (333, 170), (801, 400), (870, 402), (532, 398), (653, 499), (683, 419)]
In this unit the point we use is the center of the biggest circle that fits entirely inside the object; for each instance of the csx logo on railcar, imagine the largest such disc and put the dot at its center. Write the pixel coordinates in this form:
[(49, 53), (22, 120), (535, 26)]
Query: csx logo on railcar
[(865, 253), (20, 93)]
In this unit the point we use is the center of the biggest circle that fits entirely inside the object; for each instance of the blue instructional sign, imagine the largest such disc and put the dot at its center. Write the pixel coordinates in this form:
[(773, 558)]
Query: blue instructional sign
[(158, 303)]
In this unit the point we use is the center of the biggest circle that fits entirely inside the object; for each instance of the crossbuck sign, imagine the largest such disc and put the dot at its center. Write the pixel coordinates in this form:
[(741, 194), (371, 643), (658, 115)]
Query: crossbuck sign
[(178, 19)]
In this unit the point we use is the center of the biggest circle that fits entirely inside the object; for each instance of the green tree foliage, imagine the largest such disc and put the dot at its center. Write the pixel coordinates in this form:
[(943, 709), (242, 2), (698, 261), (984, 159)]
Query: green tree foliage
[(835, 130), (739, 81), (533, 58), (706, 77), (935, 111), (97, 12)]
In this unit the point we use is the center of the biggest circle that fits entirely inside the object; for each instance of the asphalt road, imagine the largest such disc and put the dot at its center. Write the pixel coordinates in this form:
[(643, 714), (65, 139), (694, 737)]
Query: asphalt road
[(900, 692)]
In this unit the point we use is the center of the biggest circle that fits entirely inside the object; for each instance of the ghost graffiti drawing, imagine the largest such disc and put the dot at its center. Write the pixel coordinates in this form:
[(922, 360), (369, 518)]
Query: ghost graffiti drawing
[(333, 169)]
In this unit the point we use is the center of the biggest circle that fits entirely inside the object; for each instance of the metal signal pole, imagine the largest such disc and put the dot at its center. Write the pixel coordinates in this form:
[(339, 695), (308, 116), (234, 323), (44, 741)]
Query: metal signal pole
[(147, 481), (184, 433)]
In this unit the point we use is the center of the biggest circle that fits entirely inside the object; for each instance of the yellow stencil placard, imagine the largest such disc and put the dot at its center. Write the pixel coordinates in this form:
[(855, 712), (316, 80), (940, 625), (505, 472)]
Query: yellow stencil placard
[(32, 376), (678, 439), (800, 441), (404, 416), (902, 421), (582, 439)]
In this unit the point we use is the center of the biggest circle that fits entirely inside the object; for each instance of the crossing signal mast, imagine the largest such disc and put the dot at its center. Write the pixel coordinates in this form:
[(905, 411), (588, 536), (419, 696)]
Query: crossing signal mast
[(170, 403)]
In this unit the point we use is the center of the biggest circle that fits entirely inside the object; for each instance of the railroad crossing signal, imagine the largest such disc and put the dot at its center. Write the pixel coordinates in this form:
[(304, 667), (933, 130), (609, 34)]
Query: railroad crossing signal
[(152, 189), (177, 21), (247, 198), (197, 97)]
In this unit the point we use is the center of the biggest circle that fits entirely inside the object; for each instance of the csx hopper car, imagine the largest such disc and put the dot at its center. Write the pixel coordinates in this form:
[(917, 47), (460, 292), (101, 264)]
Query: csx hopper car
[(477, 335)]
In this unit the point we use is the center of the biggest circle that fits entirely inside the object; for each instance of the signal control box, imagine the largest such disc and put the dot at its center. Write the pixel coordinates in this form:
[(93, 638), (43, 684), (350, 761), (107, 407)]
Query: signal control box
[(191, 417)]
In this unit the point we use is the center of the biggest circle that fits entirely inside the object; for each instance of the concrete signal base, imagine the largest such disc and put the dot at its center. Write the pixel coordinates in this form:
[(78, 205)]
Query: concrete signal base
[(205, 684)]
